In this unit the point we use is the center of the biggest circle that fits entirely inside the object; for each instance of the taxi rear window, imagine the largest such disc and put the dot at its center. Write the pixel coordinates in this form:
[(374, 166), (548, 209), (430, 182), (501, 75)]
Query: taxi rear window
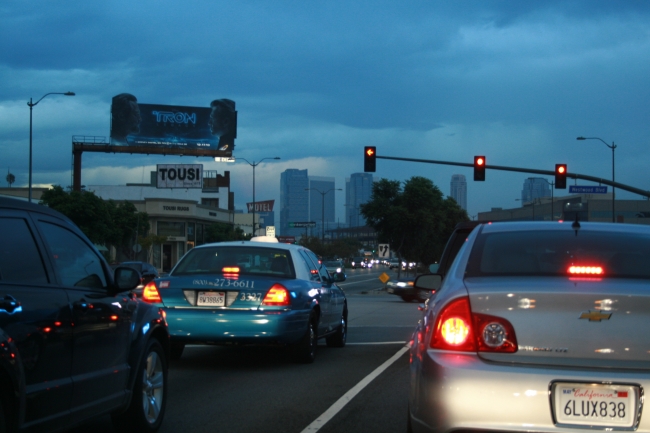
[(561, 253), (247, 261)]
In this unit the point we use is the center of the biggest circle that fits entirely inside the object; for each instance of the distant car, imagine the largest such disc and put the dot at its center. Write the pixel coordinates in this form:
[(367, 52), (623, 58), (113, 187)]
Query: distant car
[(404, 288), (75, 344), (148, 272), (334, 266), (283, 296), (536, 326), (393, 264), (358, 262)]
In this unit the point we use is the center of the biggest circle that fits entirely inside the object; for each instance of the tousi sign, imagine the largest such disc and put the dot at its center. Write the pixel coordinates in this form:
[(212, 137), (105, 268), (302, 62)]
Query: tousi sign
[(179, 175)]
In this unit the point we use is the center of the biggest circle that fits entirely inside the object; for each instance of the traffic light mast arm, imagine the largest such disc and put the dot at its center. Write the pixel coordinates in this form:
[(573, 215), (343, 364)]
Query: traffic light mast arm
[(527, 170)]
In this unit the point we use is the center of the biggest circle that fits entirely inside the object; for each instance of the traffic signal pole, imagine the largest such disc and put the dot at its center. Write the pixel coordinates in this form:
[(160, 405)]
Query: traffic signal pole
[(526, 170)]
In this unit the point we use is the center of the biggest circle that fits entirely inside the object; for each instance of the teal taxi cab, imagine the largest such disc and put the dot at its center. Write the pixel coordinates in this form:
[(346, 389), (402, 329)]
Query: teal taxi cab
[(252, 292)]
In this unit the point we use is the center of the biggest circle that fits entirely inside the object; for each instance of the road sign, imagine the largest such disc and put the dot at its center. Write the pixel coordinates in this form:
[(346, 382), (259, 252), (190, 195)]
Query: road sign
[(301, 225), (224, 159), (577, 189), (270, 231), (384, 251), (384, 277)]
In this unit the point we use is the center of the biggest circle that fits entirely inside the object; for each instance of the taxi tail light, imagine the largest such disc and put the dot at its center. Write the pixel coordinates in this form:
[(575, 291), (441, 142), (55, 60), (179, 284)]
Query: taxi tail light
[(150, 293), (458, 329), (278, 295)]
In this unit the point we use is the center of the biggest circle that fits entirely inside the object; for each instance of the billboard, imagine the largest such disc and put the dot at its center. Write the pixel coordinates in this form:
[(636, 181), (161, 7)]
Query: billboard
[(210, 129), (179, 176)]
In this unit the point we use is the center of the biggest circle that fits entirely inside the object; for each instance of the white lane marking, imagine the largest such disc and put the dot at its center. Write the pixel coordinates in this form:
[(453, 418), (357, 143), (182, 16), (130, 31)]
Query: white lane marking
[(348, 396), (356, 282)]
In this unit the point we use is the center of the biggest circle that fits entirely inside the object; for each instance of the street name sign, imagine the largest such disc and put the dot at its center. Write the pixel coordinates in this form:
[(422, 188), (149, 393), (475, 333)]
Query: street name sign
[(578, 189), (299, 225)]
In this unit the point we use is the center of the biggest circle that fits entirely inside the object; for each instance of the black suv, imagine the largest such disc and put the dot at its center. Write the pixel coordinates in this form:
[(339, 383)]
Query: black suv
[(75, 343)]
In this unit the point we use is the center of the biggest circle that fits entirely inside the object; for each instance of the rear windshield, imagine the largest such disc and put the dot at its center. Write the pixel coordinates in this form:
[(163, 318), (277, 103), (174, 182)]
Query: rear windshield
[(249, 261), (561, 253)]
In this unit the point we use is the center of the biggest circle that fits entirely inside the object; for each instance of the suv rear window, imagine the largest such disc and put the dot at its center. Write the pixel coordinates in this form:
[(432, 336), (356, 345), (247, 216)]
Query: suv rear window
[(249, 260), (553, 253)]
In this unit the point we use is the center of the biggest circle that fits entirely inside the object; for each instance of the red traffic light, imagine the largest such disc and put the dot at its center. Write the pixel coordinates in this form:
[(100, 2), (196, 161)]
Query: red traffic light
[(479, 168), (560, 176)]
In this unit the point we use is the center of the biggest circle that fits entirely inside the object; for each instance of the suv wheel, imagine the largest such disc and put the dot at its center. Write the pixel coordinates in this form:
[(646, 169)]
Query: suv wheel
[(147, 408)]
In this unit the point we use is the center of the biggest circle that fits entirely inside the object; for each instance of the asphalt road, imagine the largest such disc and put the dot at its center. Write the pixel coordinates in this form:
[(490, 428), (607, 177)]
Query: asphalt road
[(362, 387)]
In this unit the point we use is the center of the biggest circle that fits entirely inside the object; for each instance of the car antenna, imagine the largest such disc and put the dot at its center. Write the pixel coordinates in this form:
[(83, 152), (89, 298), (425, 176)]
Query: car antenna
[(576, 225)]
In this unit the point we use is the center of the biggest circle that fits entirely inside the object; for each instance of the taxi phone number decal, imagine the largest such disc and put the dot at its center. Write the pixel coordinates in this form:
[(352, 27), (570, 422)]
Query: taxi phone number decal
[(225, 282)]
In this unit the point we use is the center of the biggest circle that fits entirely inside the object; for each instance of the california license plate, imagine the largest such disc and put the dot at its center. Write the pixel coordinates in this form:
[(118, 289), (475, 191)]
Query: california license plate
[(211, 299), (595, 404)]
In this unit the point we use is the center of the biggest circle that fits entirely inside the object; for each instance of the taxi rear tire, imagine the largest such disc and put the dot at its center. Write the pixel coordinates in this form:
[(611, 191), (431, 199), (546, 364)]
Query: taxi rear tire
[(305, 350), (147, 408), (340, 336)]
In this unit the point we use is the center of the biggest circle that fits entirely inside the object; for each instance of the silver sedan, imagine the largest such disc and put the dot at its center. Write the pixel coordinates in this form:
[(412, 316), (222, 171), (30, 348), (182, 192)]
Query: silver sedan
[(537, 327)]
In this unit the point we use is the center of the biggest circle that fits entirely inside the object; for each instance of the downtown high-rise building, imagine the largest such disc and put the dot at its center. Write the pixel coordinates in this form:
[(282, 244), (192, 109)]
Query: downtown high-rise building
[(458, 190), (358, 190), (294, 201), (535, 188), (322, 194)]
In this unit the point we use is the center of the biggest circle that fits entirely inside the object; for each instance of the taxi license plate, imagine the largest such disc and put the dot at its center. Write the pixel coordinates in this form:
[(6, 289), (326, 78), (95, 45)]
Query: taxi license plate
[(211, 299), (595, 404)]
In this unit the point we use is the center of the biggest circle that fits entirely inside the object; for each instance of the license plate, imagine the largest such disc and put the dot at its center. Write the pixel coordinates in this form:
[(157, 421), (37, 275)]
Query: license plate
[(211, 299), (595, 404)]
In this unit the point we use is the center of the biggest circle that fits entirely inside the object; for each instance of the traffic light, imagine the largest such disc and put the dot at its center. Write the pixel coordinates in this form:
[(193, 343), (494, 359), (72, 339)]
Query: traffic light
[(479, 168), (369, 159), (560, 176)]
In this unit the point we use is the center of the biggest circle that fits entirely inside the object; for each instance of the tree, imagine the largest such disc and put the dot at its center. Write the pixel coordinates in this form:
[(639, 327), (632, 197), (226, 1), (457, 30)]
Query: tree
[(221, 232), (416, 220), (104, 222), (149, 241)]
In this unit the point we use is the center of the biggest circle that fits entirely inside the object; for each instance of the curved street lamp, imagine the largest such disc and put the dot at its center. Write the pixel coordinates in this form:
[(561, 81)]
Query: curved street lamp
[(31, 107), (613, 147), (255, 164), (323, 208)]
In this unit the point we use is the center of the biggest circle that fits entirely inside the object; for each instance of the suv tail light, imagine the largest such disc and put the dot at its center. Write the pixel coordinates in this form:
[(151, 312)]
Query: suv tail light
[(458, 329), (150, 293), (277, 295)]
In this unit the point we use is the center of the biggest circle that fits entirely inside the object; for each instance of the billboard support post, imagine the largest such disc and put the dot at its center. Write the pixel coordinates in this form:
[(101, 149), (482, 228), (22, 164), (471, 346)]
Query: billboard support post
[(255, 164)]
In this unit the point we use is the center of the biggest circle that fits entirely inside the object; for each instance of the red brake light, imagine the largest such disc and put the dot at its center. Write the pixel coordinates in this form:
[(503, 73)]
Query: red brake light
[(458, 329), (150, 293), (453, 329), (230, 270), (277, 295), (585, 270)]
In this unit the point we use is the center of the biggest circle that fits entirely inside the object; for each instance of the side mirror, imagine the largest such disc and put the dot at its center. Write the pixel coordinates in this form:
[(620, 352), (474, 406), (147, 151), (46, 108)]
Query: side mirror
[(337, 277), (428, 282), (126, 278)]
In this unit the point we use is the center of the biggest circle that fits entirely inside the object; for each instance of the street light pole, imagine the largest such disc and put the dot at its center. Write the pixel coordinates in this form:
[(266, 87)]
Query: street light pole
[(255, 164), (613, 147), (31, 107), (323, 208)]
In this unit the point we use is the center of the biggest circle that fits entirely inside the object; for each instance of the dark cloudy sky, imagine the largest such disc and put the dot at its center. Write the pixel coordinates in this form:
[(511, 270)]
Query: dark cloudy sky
[(315, 81)]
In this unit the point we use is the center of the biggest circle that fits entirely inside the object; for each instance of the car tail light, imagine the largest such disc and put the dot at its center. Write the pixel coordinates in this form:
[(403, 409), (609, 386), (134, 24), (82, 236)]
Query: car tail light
[(277, 295), (458, 329), (150, 293)]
